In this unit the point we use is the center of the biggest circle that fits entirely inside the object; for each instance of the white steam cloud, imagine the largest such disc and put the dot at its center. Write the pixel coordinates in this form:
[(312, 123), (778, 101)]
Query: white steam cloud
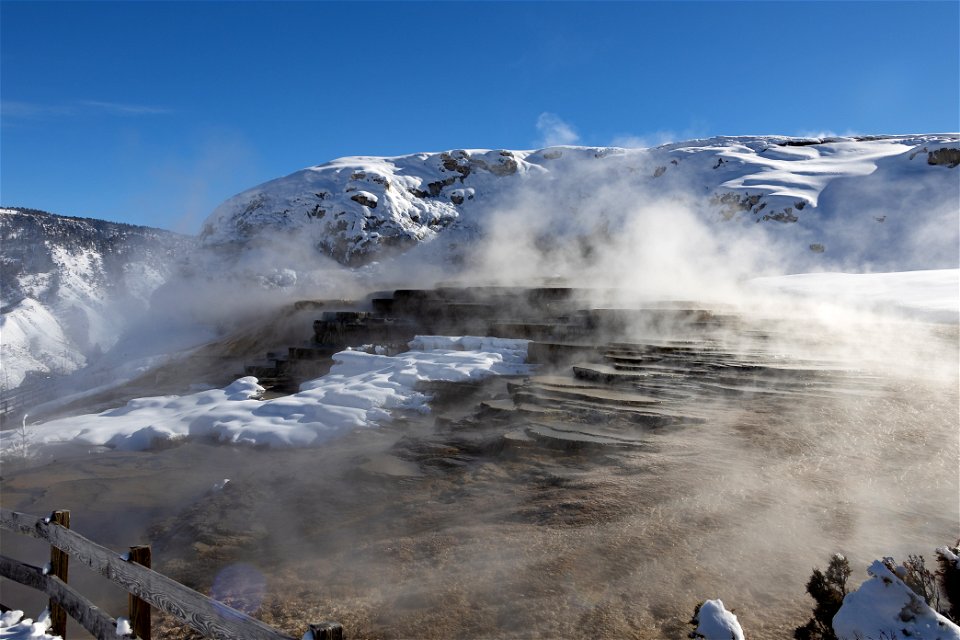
[(555, 131)]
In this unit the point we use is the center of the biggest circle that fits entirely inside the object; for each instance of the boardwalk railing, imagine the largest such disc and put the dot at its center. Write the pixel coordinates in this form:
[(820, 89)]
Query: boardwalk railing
[(209, 617)]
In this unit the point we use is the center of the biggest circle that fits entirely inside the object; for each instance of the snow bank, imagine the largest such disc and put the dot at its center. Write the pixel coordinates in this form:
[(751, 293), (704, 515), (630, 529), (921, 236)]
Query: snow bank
[(885, 607), (714, 622), (360, 391), (14, 626), (932, 295)]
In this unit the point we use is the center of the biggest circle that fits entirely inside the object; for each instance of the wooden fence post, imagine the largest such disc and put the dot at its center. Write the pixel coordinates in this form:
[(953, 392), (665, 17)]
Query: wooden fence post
[(139, 611), (59, 562), (326, 631)]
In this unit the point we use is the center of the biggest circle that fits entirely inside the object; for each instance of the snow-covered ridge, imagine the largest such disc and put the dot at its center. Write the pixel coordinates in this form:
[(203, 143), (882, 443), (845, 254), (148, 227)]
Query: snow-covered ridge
[(354, 209), (70, 286)]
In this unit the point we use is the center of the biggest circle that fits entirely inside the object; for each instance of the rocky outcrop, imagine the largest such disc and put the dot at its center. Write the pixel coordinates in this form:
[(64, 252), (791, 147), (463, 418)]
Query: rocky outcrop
[(731, 203), (366, 199), (949, 157)]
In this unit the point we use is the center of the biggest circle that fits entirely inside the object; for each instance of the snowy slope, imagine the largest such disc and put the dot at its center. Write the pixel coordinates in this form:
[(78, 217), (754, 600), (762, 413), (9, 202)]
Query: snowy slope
[(70, 286), (884, 203), (931, 295)]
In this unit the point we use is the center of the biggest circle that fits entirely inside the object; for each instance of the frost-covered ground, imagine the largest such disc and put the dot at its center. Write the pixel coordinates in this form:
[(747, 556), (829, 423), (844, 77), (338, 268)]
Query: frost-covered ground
[(359, 392)]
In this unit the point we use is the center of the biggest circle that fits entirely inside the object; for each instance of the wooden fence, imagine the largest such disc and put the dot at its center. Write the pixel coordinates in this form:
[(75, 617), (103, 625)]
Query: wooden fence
[(146, 587)]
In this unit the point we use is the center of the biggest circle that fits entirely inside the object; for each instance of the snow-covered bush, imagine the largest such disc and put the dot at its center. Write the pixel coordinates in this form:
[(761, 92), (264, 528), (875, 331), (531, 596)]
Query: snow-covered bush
[(885, 607)]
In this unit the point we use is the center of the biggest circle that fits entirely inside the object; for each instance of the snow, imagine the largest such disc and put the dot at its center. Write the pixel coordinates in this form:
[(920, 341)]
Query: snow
[(714, 622), (123, 627), (14, 626), (360, 391), (33, 339), (76, 285), (932, 295), (949, 555), (837, 190), (885, 607), (870, 204)]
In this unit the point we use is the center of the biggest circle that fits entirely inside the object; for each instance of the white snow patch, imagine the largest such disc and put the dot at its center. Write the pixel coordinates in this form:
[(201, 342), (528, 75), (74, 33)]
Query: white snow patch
[(930, 295), (360, 391), (14, 626), (34, 340), (123, 627), (885, 607), (714, 622)]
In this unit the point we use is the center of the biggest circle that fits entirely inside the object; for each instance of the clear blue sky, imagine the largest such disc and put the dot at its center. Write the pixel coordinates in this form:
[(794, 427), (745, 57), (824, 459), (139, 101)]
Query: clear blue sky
[(154, 112)]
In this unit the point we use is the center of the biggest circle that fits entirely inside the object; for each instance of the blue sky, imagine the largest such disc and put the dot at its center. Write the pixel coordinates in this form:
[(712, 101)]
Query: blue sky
[(154, 112)]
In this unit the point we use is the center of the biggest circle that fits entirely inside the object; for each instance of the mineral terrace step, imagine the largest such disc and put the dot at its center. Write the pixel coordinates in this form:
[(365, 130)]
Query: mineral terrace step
[(545, 352), (608, 374), (570, 439), (611, 400)]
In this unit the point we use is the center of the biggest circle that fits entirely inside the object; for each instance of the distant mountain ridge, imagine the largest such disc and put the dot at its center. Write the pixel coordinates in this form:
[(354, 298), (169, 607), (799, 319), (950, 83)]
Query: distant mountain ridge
[(71, 285), (358, 209)]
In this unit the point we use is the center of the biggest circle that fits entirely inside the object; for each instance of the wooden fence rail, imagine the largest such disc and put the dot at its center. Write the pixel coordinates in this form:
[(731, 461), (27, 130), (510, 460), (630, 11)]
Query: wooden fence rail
[(209, 617), (75, 605)]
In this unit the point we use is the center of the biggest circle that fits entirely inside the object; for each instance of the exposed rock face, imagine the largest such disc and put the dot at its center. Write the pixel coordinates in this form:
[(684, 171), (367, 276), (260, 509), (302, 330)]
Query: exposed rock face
[(949, 157), (731, 204), (366, 199)]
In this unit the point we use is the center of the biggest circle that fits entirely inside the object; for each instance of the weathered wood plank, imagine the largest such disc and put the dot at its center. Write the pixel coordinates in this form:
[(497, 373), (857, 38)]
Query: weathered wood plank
[(59, 565), (90, 617), (209, 617), (139, 610)]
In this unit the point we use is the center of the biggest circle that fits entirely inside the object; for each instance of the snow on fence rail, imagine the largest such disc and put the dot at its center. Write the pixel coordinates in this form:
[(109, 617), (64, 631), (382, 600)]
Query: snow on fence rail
[(147, 588)]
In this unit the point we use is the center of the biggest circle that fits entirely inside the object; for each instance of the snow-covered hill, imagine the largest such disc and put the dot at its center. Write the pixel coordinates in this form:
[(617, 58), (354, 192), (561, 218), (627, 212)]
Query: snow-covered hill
[(865, 203), (70, 286), (679, 219)]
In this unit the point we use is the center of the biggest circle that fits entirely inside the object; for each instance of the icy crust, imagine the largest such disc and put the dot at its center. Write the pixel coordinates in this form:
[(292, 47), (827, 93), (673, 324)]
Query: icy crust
[(360, 391), (357, 207), (885, 607)]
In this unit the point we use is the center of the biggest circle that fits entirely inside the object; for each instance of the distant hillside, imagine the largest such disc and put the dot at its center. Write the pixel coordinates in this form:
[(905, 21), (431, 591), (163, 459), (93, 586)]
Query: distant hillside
[(869, 202), (71, 285), (679, 219)]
